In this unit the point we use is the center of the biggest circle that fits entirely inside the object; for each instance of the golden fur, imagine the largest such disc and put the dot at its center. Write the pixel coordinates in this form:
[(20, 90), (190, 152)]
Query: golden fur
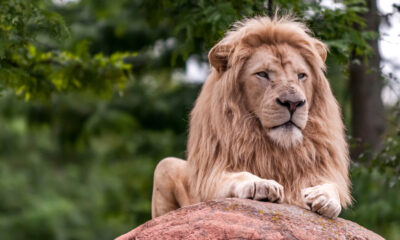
[(227, 136)]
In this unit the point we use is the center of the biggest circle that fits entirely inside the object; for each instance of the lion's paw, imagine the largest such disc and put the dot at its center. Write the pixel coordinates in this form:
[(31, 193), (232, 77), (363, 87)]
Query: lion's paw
[(322, 199), (260, 189)]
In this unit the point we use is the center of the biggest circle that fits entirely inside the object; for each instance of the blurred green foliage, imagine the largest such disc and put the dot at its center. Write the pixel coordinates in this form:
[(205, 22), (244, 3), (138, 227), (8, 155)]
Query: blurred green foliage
[(33, 69), (80, 168), (107, 102), (376, 184)]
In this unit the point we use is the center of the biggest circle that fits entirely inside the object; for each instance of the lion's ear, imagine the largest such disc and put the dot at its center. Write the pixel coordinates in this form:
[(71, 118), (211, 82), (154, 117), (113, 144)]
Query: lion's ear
[(218, 56), (322, 49)]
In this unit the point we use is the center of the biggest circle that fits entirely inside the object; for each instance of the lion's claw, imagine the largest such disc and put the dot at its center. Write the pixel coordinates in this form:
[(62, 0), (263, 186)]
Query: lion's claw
[(260, 189), (323, 200)]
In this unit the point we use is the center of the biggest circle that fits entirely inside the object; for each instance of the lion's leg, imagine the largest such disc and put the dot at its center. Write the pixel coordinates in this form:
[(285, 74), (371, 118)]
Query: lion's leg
[(170, 187), (247, 185), (323, 199)]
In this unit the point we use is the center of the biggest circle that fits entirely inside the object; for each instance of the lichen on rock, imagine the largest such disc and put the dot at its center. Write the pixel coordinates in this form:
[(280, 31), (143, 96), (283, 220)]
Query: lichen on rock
[(247, 219)]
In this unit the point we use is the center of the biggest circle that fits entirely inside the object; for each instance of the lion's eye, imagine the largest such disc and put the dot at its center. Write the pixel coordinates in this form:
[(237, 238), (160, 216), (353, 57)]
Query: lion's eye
[(263, 75), (301, 76)]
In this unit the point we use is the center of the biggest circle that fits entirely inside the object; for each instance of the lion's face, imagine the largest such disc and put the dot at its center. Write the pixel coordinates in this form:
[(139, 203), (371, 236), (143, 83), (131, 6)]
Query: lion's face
[(277, 85)]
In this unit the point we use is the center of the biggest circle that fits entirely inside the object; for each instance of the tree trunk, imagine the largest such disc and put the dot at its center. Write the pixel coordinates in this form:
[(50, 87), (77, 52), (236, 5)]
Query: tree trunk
[(368, 120)]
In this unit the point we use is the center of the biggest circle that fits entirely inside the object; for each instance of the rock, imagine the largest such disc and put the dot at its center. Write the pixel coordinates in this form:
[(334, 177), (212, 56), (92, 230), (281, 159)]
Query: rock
[(247, 219)]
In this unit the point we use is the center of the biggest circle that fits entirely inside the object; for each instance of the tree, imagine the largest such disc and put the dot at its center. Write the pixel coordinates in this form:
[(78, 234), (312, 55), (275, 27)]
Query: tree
[(368, 121)]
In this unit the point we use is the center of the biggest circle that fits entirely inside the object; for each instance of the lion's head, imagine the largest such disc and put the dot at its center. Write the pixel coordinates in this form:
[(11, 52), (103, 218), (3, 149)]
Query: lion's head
[(267, 108), (277, 84)]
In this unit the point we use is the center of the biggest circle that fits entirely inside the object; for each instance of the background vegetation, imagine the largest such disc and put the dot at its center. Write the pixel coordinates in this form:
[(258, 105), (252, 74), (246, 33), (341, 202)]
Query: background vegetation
[(94, 95)]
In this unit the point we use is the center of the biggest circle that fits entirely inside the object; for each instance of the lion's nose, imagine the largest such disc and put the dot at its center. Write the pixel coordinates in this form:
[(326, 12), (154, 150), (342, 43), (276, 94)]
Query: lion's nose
[(291, 105)]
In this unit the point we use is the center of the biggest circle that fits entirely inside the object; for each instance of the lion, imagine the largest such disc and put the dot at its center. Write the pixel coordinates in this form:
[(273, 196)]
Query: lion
[(265, 126)]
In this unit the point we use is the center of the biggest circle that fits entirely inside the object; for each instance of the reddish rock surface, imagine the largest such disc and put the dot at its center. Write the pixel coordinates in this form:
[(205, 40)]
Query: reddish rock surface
[(247, 219)]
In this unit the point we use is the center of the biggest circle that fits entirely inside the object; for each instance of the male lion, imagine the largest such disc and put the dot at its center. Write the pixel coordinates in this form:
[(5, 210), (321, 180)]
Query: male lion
[(265, 126)]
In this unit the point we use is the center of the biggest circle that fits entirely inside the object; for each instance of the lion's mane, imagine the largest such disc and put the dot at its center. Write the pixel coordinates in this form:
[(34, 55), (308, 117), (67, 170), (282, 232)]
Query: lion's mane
[(223, 135)]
